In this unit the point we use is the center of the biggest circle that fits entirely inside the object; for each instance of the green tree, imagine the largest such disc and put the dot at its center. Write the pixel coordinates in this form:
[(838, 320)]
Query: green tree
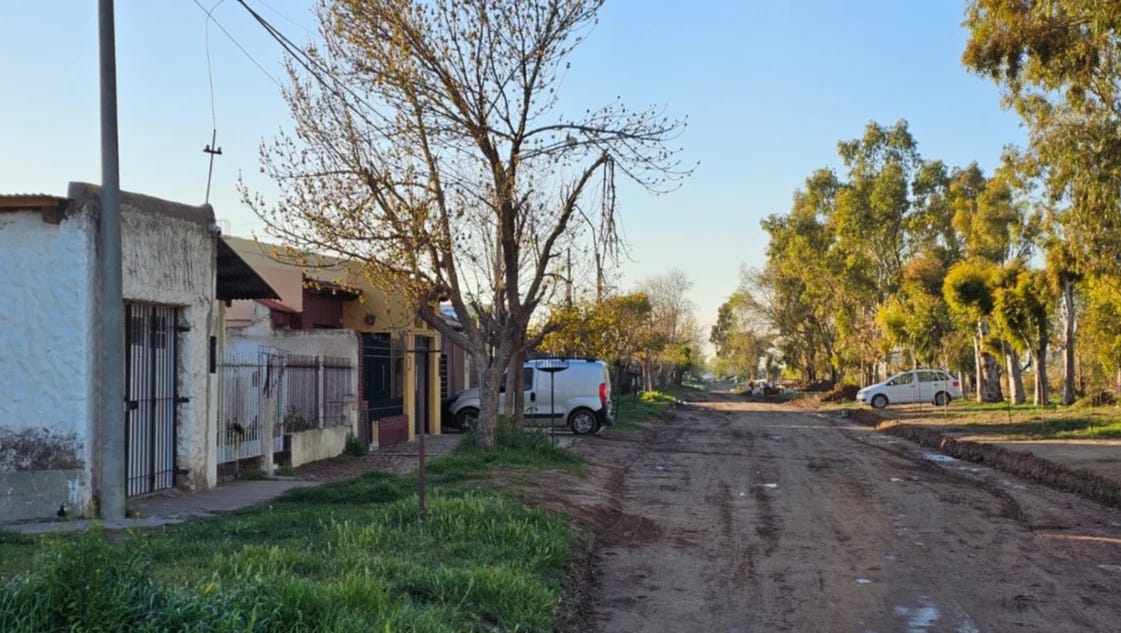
[(617, 329), (968, 290), (1058, 63), (737, 339)]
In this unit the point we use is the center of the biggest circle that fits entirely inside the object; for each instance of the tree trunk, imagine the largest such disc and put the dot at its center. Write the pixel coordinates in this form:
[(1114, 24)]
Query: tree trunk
[(1042, 389), (977, 363), (1068, 342), (489, 379), (990, 379), (517, 382), (1015, 376)]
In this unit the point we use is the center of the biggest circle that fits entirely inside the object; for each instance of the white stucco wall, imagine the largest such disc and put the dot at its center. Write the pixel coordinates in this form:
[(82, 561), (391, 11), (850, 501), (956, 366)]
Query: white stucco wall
[(169, 260), (47, 358)]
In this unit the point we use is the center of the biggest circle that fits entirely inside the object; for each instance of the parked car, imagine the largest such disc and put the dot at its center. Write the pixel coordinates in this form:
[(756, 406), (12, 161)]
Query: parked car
[(574, 391), (914, 385)]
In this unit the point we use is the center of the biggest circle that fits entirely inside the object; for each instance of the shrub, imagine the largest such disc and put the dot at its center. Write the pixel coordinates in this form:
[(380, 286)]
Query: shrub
[(354, 446)]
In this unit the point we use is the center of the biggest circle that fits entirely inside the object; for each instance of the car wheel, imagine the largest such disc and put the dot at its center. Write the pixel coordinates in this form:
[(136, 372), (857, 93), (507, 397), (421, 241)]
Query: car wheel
[(879, 401), (583, 421), (942, 398), (466, 418)]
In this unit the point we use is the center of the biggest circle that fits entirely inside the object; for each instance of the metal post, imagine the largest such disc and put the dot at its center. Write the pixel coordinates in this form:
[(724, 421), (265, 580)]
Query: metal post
[(112, 427)]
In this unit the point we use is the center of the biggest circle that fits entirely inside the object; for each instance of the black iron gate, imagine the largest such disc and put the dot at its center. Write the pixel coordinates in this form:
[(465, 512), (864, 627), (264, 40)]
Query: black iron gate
[(151, 395)]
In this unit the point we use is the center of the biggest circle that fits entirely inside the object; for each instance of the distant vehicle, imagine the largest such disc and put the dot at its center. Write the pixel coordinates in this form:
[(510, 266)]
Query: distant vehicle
[(581, 395), (914, 385)]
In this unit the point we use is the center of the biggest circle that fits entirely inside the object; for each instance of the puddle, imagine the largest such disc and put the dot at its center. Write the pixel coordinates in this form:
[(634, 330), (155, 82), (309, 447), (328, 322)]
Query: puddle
[(1116, 568), (767, 485), (919, 619), (938, 457), (863, 581)]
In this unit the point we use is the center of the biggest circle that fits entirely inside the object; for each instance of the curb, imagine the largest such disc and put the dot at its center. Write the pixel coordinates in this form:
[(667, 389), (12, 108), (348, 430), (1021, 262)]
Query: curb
[(1023, 464)]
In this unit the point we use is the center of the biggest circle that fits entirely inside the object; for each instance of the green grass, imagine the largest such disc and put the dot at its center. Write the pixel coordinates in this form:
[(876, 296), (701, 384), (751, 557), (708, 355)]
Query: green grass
[(1060, 429), (350, 556), (633, 408)]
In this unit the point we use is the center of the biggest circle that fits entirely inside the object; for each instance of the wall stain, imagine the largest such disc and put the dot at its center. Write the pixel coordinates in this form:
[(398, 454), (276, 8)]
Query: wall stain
[(38, 449)]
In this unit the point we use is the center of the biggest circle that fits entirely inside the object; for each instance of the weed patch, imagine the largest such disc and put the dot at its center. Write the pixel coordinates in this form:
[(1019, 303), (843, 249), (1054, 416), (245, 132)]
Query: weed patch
[(349, 556)]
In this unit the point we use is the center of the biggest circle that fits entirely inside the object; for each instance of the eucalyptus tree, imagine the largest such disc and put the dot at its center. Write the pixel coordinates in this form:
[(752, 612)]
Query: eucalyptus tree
[(1059, 65), (968, 290), (429, 144), (740, 341)]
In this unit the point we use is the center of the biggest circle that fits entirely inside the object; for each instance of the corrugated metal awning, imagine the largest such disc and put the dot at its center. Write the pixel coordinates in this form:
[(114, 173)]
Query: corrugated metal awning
[(237, 279)]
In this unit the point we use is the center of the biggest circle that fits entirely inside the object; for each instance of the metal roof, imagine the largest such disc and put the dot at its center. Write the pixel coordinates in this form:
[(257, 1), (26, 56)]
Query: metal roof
[(52, 208), (237, 279)]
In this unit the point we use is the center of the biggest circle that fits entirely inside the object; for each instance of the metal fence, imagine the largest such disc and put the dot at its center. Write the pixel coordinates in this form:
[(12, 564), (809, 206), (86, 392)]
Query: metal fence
[(310, 392)]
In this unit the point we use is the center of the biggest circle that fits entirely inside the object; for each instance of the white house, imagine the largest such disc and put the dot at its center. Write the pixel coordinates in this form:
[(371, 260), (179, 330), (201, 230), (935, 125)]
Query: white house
[(176, 274)]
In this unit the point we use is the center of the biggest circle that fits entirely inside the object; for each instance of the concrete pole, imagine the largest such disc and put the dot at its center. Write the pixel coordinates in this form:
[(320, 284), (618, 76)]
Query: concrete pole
[(112, 427)]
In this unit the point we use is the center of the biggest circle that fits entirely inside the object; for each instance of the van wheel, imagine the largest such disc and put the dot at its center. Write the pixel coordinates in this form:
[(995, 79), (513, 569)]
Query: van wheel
[(583, 421), (466, 418), (879, 402), (941, 398)]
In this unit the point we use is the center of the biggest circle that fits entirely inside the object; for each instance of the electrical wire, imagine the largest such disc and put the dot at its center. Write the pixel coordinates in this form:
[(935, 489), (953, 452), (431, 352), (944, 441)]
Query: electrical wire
[(209, 71), (313, 67), (238, 45)]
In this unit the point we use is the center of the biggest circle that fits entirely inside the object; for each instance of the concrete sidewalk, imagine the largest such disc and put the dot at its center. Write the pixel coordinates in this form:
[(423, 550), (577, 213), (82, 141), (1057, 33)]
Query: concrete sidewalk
[(174, 506)]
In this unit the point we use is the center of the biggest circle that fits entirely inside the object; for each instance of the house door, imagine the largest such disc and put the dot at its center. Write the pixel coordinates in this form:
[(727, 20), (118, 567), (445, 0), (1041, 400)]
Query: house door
[(423, 343), (381, 390), (151, 396)]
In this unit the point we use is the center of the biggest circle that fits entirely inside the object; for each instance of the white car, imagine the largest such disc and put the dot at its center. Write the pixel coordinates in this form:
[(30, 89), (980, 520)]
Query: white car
[(574, 391), (914, 385)]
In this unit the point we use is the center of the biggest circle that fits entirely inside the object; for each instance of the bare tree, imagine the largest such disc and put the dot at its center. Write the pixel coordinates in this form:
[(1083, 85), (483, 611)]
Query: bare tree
[(429, 145)]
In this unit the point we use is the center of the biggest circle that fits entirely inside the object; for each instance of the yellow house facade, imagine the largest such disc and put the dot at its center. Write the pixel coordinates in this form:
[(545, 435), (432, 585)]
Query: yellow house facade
[(398, 390)]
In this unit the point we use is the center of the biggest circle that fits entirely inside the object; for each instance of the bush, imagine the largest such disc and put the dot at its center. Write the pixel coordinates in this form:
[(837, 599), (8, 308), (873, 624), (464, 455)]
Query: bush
[(841, 393), (354, 446)]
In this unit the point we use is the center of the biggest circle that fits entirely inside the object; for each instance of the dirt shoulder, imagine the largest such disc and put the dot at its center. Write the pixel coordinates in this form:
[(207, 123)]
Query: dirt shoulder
[(1088, 467)]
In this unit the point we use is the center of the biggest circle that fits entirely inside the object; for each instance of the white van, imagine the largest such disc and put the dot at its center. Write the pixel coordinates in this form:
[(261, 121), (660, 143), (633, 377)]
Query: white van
[(580, 395)]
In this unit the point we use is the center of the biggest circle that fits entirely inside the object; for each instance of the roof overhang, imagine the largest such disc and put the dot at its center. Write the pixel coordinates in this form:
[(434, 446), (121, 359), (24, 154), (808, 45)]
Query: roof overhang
[(51, 208), (237, 279)]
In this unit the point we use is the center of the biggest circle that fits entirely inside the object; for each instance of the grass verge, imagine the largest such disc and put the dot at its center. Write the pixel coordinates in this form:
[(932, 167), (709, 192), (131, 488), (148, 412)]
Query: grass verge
[(633, 408), (351, 556)]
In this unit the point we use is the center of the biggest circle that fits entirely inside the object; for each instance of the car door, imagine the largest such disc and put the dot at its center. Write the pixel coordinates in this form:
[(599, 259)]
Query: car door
[(928, 385), (903, 391)]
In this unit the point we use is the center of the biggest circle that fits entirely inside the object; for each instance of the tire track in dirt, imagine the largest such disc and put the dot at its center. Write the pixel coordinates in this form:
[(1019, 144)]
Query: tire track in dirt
[(751, 517)]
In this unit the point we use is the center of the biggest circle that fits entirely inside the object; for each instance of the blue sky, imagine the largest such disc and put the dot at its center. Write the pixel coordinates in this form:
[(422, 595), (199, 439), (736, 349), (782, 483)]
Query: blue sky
[(768, 86)]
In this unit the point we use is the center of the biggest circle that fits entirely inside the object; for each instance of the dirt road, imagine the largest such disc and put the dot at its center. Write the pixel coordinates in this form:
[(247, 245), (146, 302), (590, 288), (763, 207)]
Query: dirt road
[(746, 517)]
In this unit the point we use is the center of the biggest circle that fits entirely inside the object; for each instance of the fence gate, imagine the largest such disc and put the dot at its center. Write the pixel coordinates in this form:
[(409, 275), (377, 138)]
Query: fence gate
[(246, 384), (151, 395)]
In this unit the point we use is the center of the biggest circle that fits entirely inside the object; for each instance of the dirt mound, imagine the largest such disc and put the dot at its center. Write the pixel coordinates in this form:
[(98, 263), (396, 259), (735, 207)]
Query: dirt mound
[(841, 393), (1099, 399)]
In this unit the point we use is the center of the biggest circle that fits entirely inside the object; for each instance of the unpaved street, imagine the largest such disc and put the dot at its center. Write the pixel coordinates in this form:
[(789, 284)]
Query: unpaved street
[(738, 517)]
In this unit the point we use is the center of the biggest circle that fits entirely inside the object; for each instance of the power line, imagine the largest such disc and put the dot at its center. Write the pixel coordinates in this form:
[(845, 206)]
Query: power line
[(307, 62), (239, 46), (209, 71)]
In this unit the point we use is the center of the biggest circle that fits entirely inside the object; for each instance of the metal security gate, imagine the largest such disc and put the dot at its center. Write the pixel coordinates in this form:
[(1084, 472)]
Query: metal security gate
[(151, 394)]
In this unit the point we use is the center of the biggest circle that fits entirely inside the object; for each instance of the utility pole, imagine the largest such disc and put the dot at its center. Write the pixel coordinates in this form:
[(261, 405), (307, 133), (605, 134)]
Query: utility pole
[(111, 374)]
